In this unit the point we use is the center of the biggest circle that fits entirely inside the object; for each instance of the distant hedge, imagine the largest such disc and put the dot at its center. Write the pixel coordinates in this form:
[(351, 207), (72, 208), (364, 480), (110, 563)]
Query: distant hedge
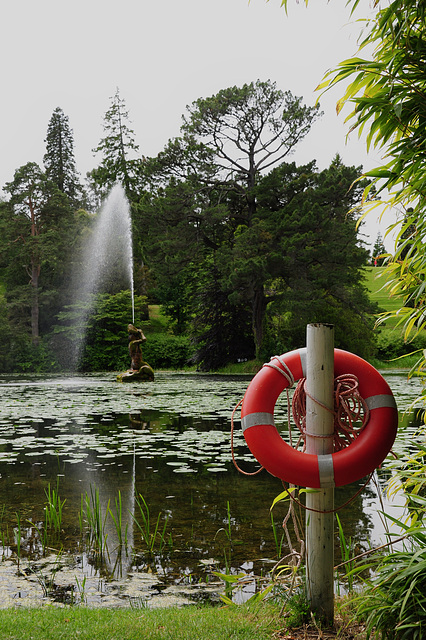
[(390, 344), (166, 351)]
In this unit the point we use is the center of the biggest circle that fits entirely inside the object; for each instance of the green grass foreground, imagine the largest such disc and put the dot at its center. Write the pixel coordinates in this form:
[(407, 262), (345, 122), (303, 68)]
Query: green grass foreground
[(188, 623)]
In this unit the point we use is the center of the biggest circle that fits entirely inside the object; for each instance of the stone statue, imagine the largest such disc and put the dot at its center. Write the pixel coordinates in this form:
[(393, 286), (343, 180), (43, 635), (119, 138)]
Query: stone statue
[(139, 370)]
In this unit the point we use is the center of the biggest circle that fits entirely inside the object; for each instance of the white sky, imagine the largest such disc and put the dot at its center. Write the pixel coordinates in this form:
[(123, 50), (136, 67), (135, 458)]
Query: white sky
[(163, 55)]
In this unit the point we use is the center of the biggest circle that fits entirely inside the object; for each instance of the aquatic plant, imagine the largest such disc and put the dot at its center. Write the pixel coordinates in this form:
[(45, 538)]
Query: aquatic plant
[(96, 520), (53, 509), (81, 588), (47, 580), (278, 541), (4, 535), (18, 537), (152, 534), (117, 518)]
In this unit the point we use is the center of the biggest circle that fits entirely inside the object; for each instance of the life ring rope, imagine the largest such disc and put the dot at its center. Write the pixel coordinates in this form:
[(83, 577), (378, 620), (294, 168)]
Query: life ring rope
[(351, 412), (285, 371), (234, 460)]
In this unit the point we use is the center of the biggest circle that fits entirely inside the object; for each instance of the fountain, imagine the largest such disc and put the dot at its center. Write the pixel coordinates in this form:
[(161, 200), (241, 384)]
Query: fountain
[(107, 266)]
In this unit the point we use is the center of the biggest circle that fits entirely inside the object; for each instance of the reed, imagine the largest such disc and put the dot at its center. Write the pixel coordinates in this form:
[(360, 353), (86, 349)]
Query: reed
[(96, 521), (4, 535), (278, 541), (152, 534), (47, 580), (53, 509), (117, 519), (42, 534), (231, 582), (81, 589), (18, 537)]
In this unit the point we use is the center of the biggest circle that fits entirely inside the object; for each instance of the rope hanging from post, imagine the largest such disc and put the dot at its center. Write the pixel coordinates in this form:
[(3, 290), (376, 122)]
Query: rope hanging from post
[(350, 412)]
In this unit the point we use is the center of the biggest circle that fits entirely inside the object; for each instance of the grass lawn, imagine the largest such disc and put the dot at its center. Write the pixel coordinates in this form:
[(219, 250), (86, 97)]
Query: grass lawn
[(188, 623), (375, 282)]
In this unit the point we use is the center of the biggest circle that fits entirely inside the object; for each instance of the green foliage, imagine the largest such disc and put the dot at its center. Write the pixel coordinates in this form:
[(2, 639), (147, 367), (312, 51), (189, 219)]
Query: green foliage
[(106, 336), (308, 247), (37, 238), (347, 553), (31, 358), (391, 344), (6, 334), (297, 610), (243, 259), (379, 253), (59, 158), (388, 92), (204, 194), (394, 604), (166, 351), (115, 147)]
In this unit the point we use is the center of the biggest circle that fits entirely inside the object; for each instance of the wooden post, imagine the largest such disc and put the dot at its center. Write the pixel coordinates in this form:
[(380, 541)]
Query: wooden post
[(320, 422)]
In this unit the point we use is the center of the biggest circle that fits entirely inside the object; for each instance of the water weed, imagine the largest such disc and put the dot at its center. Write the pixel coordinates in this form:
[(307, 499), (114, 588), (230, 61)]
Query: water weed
[(118, 522), (18, 537), (96, 519), (81, 589), (278, 541), (53, 509), (47, 579), (153, 535)]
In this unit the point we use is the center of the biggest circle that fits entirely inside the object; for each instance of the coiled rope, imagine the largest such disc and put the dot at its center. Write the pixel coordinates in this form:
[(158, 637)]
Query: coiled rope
[(350, 411)]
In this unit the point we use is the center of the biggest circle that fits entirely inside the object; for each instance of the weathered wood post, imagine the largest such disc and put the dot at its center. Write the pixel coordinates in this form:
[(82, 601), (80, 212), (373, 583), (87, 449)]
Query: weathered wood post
[(319, 441)]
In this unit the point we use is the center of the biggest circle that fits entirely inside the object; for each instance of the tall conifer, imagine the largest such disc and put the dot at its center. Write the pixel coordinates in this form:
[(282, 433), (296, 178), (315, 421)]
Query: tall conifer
[(116, 147), (59, 159)]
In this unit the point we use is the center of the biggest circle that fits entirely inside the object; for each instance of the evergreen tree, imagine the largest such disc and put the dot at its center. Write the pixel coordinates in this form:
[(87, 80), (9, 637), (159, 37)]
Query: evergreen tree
[(227, 141), (378, 255), (35, 243), (116, 148), (303, 249), (59, 159)]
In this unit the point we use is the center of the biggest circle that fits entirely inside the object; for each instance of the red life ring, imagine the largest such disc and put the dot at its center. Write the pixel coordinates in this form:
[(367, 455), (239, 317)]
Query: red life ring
[(355, 461)]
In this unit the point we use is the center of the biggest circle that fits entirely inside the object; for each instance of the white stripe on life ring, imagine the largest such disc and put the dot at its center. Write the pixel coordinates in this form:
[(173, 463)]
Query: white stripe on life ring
[(326, 470), (380, 401), (257, 419)]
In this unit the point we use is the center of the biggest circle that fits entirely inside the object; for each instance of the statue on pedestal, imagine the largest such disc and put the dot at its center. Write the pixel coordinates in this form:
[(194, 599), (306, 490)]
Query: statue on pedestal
[(139, 369)]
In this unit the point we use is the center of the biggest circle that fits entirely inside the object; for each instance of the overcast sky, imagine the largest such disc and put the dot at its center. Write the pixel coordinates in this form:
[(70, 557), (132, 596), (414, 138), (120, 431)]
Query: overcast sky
[(163, 55)]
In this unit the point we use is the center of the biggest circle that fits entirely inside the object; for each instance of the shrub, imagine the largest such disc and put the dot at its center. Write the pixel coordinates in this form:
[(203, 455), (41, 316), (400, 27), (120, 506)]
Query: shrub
[(390, 344), (166, 351), (394, 604)]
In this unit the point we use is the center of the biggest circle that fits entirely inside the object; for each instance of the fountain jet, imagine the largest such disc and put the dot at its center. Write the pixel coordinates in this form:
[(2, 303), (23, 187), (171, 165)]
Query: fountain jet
[(107, 259)]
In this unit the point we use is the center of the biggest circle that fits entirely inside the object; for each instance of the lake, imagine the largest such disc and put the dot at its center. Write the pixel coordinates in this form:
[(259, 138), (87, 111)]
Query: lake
[(137, 457)]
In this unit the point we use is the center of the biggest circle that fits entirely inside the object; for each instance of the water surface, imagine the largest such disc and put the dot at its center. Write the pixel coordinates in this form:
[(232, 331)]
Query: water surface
[(169, 441)]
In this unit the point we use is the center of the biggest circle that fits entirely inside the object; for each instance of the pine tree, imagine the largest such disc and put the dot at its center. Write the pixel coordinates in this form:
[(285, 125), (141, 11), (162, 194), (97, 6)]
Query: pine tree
[(37, 233), (59, 159), (379, 251), (118, 143)]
